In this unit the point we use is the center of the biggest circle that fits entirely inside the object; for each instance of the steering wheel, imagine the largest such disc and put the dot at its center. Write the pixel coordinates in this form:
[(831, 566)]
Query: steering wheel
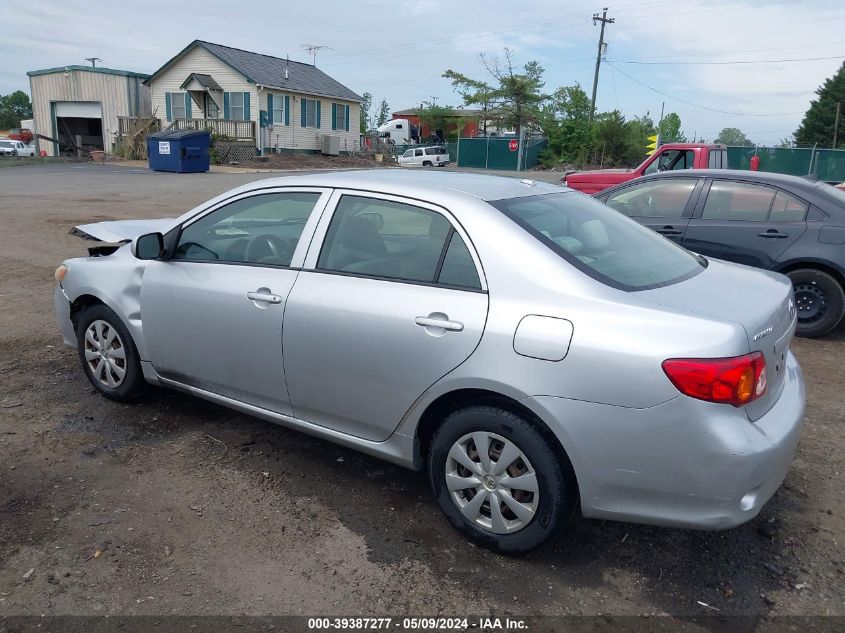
[(268, 246)]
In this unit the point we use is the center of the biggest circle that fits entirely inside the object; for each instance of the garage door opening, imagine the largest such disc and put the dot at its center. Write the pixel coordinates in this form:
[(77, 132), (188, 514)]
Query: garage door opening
[(79, 127)]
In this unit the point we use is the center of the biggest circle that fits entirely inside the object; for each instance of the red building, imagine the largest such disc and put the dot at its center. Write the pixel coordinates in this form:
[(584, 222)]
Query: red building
[(470, 128)]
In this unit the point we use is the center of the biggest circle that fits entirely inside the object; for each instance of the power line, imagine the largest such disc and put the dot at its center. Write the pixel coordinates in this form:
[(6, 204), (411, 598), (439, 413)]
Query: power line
[(727, 63), (697, 105)]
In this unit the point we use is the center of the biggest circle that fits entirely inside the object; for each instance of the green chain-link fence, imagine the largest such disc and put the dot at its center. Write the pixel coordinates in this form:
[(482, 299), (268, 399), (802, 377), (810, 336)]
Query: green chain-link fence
[(827, 164), (489, 153)]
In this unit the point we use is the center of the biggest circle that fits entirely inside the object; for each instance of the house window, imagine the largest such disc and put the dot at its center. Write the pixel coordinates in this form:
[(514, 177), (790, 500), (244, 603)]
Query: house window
[(309, 110), (341, 120), (236, 106), (177, 105), (278, 109), (212, 110)]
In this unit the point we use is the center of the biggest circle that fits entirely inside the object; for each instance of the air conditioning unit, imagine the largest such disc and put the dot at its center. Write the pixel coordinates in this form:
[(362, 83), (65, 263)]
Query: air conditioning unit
[(331, 145)]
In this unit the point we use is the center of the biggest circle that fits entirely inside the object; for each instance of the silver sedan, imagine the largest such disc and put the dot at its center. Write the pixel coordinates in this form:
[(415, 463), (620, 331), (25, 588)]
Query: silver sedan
[(534, 350)]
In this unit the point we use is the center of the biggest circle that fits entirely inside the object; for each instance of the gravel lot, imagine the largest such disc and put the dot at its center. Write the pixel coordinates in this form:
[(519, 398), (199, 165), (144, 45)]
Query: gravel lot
[(177, 506)]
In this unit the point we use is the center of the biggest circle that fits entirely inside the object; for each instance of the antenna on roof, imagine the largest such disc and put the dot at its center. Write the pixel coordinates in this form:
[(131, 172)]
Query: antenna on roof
[(313, 49), (93, 61)]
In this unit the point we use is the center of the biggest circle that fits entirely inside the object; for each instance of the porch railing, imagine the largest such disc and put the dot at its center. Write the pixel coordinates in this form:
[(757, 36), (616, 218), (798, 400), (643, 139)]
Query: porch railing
[(238, 130), (131, 124)]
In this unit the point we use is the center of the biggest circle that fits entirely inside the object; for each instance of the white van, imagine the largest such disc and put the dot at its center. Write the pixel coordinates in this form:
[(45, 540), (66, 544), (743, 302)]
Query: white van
[(435, 156)]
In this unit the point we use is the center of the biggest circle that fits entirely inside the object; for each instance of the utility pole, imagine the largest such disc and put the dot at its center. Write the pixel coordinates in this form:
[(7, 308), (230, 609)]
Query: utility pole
[(836, 124), (93, 61), (604, 20)]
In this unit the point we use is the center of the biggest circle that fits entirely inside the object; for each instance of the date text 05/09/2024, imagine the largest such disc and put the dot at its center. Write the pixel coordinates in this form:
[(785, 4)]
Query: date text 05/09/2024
[(417, 624)]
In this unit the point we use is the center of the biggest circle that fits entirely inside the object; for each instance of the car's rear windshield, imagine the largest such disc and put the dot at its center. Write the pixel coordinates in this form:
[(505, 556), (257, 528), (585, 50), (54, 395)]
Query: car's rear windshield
[(836, 194), (602, 242)]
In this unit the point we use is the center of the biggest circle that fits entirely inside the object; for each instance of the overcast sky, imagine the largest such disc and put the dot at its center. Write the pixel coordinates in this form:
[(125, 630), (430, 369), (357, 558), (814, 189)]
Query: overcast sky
[(398, 50)]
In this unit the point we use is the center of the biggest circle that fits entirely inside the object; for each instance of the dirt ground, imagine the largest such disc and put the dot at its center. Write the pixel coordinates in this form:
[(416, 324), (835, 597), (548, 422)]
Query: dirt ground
[(177, 506)]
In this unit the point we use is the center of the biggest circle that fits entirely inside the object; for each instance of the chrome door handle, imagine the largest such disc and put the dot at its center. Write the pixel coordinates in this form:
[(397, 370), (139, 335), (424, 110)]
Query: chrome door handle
[(773, 233), (453, 326), (261, 296)]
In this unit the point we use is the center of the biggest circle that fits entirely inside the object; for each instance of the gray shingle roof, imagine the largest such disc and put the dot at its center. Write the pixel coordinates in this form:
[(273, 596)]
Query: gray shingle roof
[(267, 70)]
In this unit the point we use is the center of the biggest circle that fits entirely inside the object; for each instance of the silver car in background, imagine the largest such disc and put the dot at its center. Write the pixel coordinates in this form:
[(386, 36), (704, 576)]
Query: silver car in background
[(535, 351)]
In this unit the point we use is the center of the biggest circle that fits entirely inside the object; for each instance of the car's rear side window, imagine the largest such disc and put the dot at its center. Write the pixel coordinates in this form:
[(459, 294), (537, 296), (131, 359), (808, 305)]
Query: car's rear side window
[(601, 242), (738, 201), (788, 208)]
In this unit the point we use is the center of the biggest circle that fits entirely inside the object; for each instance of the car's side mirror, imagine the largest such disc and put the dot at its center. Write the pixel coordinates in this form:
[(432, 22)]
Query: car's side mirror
[(149, 246)]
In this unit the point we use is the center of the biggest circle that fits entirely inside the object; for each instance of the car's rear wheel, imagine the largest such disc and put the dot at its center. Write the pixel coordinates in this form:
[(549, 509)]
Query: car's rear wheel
[(498, 479), (108, 354), (426, 163), (819, 300)]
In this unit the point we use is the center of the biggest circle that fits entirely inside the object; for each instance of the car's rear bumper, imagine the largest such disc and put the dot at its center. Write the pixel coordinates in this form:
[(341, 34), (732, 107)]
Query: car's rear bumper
[(683, 463)]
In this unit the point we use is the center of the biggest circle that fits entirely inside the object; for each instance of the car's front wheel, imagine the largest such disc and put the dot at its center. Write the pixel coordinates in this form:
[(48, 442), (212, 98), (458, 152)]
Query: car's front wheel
[(499, 480), (108, 354), (819, 300)]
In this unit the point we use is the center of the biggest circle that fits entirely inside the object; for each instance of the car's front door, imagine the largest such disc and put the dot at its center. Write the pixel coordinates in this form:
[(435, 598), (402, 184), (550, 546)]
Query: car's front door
[(212, 313), (662, 204), (745, 222), (390, 300)]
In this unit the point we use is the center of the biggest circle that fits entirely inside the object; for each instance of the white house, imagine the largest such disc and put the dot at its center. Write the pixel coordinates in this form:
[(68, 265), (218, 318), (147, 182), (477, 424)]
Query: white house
[(280, 105)]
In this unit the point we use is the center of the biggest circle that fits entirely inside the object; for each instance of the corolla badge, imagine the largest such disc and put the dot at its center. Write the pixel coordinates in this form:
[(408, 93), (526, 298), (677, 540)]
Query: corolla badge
[(763, 333)]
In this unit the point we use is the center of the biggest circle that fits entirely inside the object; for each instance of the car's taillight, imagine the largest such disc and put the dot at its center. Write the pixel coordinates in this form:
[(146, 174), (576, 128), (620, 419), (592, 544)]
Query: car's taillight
[(735, 381)]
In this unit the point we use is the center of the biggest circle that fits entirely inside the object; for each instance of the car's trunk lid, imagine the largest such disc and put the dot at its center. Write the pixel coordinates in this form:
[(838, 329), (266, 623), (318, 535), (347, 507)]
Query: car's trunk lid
[(760, 301), (117, 231)]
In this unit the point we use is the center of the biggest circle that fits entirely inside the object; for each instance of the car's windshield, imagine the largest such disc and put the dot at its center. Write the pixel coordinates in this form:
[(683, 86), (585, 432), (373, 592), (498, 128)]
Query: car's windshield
[(602, 242), (6, 144)]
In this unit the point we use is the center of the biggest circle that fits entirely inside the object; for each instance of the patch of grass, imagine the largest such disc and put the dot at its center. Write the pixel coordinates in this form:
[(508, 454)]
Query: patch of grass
[(13, 161)]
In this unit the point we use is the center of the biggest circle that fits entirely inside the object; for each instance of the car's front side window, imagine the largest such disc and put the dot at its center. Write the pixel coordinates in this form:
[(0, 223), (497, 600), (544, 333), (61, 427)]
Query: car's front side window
[(604, 244), (393, 240), (262, 229), (654, 199)]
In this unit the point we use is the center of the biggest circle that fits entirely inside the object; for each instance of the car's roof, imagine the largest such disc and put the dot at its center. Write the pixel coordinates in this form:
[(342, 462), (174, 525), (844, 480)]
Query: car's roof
[(420, 183), (784, 180)]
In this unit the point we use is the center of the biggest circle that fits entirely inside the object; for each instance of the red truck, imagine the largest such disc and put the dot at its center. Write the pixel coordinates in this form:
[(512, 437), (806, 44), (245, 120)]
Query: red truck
[(667, 157)]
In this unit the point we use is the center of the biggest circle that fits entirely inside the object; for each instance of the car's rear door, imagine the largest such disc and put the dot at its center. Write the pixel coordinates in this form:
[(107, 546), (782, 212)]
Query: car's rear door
[(744, 222), (662, 204), (390, 299), (212, 313)]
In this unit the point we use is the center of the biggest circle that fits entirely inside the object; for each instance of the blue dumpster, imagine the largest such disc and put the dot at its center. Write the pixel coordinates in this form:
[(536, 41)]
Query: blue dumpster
[(181, 151)]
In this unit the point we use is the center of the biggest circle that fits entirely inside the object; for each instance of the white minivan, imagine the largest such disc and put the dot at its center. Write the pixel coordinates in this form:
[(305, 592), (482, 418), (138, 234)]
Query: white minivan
[(435, 156)]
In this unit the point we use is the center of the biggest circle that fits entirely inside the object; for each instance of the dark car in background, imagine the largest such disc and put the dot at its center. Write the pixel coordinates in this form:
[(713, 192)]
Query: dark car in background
[(787, 224)]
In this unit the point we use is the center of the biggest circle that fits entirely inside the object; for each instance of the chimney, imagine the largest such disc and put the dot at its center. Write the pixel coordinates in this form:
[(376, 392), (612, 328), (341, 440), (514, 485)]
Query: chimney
[(287, 61)]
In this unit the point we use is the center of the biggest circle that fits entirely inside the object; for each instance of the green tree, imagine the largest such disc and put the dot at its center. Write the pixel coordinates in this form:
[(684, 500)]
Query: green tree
[(732, 136), (670, 129), (435, 117), (383, 113), (366, 104), (566, 121), (13, 108), (818, 122), (515, 96)]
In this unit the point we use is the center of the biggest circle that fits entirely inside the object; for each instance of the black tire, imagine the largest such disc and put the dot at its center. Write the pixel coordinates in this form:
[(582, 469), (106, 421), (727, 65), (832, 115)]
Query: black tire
[(133, 384), (820, 298), (426, 163), (555, 480)]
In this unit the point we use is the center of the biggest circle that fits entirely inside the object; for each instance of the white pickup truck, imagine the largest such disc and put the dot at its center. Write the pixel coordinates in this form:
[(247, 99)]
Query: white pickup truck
[(9, 147)]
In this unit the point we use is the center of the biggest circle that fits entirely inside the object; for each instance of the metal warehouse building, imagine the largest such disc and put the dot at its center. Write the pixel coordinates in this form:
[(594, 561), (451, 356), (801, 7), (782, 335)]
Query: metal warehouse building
[(79, 106)]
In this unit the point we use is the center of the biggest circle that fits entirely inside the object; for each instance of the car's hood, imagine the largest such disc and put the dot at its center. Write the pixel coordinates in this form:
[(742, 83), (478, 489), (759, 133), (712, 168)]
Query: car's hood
[(601, 171), (118, 231)]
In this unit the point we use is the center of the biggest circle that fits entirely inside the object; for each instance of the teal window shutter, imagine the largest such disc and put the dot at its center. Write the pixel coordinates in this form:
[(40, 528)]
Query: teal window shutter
[(167, 108), (346, 118), (188, 106), (318, 113), (334, 116), (247, 116), (270, 109), (287, 110), (302, 103), (225, 105)]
